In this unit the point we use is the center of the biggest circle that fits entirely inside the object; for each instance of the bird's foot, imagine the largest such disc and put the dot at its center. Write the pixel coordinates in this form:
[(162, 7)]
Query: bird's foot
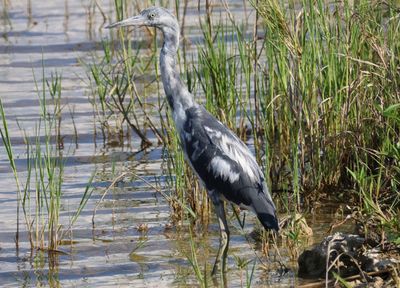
[(215, 268), (220, 264), (221, 280)]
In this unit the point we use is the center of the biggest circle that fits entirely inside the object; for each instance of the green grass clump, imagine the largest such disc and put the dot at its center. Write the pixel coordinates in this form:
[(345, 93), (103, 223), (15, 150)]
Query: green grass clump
[(332, 92), (39, 192)]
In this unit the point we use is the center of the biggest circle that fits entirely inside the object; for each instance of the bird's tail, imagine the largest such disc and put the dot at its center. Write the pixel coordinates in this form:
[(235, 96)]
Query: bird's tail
[(265, 210)]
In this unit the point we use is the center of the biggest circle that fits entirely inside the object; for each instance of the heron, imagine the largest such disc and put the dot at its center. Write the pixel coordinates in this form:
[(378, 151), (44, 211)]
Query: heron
[(222, 162)]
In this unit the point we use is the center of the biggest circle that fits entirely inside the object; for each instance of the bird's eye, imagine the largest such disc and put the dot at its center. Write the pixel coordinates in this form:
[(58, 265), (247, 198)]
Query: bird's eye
[(151, 15)]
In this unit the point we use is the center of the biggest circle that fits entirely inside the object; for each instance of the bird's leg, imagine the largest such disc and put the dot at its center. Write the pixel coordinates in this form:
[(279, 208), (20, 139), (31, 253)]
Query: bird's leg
[(224, 237)]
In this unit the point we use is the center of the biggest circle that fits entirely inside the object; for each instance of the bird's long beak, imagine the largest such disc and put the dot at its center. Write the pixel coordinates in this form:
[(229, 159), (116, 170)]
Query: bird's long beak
[(138, 20)]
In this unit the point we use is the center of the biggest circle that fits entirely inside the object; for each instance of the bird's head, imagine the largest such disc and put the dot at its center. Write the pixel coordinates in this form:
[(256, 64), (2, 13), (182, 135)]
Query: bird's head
[(152, 17)]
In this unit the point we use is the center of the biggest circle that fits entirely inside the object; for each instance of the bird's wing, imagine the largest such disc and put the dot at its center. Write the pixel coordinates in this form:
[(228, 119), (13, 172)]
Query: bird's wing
[(221, 160), (225, 165)]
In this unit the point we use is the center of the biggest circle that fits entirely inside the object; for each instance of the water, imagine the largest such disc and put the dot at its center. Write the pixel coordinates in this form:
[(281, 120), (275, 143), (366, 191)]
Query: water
[(132, 242)]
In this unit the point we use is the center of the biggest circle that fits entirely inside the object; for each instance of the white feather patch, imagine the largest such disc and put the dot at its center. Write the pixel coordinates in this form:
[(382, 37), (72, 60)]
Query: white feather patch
[(222, 168), (236, 151)]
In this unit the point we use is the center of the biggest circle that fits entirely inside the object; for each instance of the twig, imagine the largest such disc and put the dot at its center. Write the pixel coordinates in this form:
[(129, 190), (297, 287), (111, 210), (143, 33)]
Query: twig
[(102, 13), (350, 278), (105, 193)]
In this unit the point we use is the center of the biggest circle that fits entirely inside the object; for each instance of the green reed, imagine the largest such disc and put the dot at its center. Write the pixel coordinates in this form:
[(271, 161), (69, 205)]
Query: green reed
[(194, 263), (377, 182), (39, 191), (5, 137), (216, 72), (331, 72)]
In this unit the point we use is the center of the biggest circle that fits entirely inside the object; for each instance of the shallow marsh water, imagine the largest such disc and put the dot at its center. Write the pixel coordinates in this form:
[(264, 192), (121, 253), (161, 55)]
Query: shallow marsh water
[(116, 252)]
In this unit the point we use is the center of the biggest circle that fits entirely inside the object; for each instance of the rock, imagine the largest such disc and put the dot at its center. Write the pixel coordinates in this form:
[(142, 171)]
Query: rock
[(348, 254), (312, 263)]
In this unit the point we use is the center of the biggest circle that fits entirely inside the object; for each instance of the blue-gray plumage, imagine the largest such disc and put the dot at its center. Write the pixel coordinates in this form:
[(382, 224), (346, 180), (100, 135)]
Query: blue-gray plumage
[(222, 162)]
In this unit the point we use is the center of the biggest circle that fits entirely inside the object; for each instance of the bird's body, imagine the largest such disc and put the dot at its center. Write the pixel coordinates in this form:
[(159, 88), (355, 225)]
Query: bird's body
[(223, 163)]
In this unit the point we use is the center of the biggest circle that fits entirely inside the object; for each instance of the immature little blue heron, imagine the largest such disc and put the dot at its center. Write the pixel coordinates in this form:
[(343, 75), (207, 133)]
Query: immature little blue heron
[(222, 162)]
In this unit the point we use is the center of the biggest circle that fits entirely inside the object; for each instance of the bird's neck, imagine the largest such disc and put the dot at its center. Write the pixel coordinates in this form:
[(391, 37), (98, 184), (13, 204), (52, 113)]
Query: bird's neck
[(177, 93)]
